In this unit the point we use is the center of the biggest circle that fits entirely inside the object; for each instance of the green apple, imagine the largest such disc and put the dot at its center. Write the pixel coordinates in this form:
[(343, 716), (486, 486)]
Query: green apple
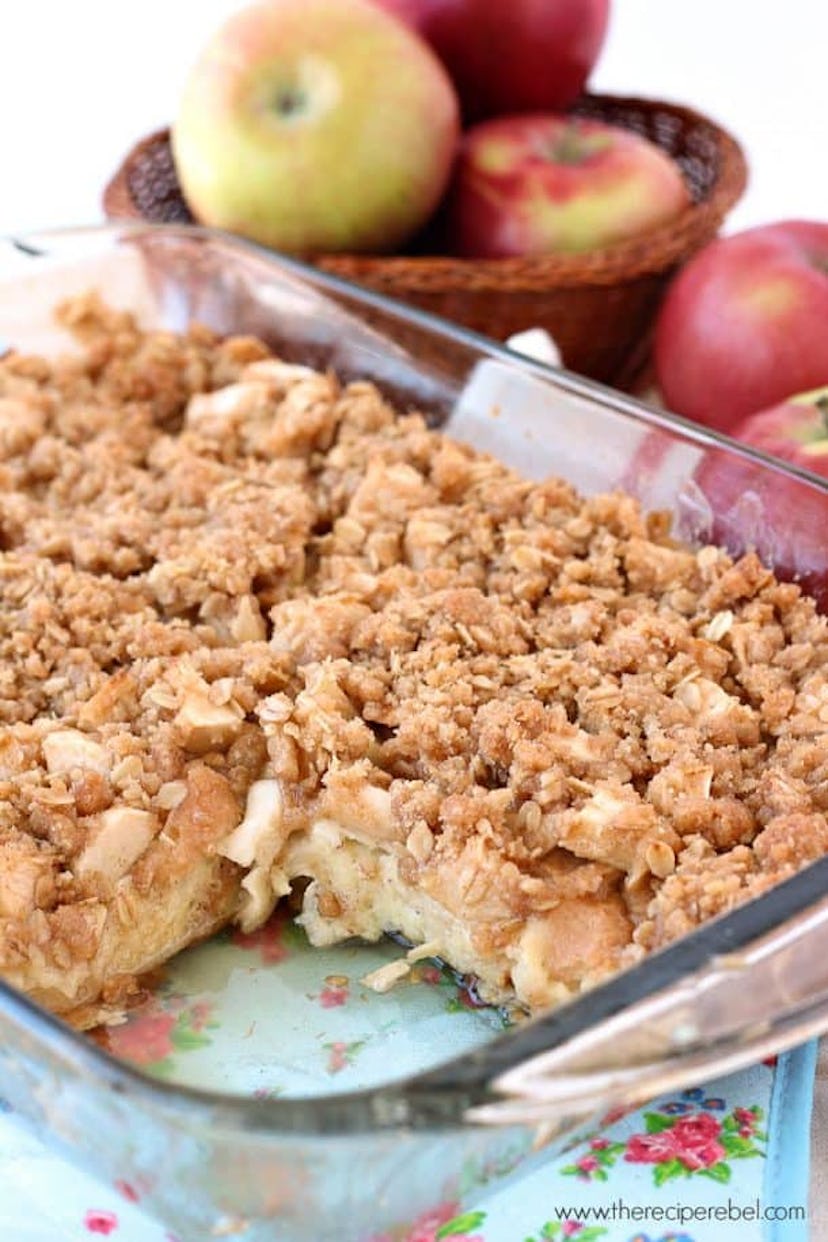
[(316, 125)]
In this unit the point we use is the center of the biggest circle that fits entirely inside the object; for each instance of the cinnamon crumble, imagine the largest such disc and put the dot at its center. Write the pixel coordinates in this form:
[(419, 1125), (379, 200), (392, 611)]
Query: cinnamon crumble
[(258, 627)]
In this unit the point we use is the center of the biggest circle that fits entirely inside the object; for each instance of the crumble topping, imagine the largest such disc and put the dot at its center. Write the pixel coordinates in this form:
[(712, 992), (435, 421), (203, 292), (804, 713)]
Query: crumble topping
[(258, 627)]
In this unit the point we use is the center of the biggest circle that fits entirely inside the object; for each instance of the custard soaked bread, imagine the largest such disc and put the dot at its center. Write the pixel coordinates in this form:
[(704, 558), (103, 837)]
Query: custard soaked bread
[(260, 628)]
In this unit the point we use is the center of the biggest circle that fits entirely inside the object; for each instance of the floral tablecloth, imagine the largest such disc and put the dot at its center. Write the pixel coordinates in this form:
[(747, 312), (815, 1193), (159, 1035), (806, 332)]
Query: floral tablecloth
[(696, 1167), (728, 1159)]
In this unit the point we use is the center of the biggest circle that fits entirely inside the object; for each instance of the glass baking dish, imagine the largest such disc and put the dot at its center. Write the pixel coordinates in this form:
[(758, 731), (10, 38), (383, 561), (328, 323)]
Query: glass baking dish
[(361, 1155)]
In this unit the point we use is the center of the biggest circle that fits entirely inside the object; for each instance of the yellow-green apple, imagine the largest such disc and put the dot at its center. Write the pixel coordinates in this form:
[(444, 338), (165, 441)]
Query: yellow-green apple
[(745, 323), (756, 505), (508, 56), (544, 184), (313, 125)]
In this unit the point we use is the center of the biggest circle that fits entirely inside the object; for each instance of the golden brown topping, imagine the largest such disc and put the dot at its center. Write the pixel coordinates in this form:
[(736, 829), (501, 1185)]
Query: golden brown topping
[(251, 616)]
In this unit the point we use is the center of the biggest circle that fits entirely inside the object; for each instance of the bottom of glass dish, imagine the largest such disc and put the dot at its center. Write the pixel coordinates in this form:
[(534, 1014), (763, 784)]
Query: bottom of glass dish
[(266, 1014)]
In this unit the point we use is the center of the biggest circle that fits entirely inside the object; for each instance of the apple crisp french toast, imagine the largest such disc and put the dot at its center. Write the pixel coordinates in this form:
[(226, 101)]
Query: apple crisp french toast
[(259, 628)]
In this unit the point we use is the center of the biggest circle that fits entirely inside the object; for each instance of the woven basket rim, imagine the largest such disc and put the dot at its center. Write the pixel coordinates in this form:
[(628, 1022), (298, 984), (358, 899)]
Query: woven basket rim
[(657, 251)]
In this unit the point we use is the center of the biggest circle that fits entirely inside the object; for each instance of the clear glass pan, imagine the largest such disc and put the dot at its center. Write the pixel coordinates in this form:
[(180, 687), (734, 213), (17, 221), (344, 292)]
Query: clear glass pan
[(751, 983)]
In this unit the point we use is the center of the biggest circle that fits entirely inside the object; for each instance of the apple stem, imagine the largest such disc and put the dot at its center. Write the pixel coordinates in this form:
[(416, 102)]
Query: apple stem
[(573, 145), (568, 147), (290, 101), (821, 404)]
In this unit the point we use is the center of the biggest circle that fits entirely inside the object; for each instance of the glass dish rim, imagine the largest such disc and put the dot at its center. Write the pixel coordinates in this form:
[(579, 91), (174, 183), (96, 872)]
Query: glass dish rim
[(24, 241), (374, 1108)]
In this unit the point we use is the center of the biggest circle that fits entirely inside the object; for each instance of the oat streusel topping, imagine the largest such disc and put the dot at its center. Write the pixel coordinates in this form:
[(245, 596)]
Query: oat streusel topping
[(259, 627)]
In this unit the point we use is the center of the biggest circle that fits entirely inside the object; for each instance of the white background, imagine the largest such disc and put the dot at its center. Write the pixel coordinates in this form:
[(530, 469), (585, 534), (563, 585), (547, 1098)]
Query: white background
[(81, 79)]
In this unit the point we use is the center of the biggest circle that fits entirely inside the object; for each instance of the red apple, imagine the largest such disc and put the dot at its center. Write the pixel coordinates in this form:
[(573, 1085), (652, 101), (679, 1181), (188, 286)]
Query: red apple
[(746, 323), (754, 505), (532, 185), (511, 55), (314, 125), (796, 430)]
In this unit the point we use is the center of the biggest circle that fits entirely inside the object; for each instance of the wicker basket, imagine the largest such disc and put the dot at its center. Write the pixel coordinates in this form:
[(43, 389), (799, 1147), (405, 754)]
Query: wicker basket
[(598, 306)]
